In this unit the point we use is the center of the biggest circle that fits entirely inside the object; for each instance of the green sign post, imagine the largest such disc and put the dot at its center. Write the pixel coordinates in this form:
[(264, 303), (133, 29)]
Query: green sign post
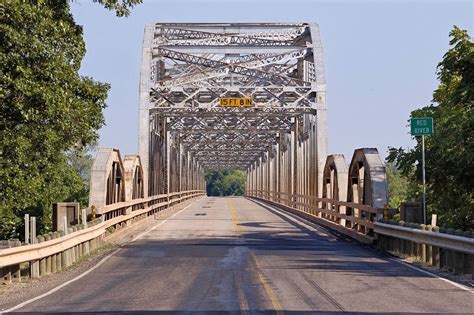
[(422, 127)]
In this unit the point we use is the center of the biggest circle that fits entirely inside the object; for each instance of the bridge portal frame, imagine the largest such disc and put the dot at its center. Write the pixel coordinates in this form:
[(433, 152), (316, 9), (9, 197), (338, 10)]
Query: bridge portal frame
[(187, 67)]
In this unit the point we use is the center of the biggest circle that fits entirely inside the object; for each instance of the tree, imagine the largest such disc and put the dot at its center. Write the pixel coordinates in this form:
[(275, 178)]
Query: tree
[(81, 162), (225, 183), (233, 184), (121, 7), (47, 108), (450, 150), (401, 188)]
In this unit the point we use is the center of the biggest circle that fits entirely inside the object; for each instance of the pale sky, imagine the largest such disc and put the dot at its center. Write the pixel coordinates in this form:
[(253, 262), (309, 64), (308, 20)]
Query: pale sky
[(380, 58)]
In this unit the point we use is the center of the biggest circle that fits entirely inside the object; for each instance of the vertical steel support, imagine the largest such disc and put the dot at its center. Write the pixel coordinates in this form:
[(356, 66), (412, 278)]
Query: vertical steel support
[(144, 114)]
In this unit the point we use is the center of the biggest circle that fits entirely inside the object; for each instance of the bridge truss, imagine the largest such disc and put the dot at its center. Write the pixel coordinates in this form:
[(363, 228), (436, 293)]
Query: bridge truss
[(187, 68)]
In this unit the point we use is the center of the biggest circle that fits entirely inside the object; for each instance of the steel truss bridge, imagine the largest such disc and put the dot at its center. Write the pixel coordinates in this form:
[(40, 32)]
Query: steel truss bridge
[(280, 140), (186, 70), (238, 254)]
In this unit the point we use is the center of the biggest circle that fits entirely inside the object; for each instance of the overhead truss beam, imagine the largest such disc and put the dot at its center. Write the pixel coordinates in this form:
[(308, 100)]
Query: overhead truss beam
[(187, 68)]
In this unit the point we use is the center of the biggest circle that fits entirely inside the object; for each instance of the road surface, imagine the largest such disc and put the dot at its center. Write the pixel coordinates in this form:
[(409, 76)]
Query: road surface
[(233, 255)]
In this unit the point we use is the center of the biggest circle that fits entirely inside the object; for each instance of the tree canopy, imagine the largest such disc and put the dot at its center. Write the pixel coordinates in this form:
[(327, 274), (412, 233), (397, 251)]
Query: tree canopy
[(400, 187), (450, 150), (49, 111), (121, 7), (225, 183)]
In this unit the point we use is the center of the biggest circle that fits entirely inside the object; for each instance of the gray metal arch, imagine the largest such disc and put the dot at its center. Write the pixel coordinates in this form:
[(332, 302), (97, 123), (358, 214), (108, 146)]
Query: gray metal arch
[(134, 187), (107, 178), (335, 183), (335, 178), (367, 179)]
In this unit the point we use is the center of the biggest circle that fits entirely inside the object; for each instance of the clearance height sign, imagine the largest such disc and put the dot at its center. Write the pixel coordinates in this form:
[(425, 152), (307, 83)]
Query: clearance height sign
[(237, 102)]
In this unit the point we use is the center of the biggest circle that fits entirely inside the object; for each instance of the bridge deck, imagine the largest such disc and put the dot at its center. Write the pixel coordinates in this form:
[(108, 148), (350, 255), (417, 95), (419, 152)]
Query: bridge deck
[(231, 254)]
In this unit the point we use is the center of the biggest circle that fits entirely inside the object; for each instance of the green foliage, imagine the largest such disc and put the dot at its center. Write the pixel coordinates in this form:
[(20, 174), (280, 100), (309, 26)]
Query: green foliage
[(400, 187), (50, 113), (450, 150), (121, 7), (226, 183), (81, 162)]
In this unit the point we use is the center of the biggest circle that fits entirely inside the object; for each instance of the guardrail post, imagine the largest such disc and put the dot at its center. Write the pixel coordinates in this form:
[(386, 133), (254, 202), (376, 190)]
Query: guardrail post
[(423, 247), (396, 242), (15, 269), (64, 253), (59, 255), (75, 251), (80, 247), (86, 248), (449, 259), (72, 250), (449, 255), (403, 244), (379, 242), (34, 265), (469, 265), (389, 243), (6, 275), (15, 273), (93, 244), (458, 262), (42, 262), (11, 274), (47, 237), (458, 257), (429, 249), (435, 251), (54, 257), (49, 259), (411, 249)]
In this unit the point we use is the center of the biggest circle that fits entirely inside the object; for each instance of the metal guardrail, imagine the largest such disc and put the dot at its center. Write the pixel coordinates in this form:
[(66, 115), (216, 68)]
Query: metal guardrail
[(17, 255), (44, 250), (453, 253), (452, 242)]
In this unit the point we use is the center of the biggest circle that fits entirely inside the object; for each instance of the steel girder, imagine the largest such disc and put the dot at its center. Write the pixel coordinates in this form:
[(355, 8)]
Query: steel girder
[(188, 67)]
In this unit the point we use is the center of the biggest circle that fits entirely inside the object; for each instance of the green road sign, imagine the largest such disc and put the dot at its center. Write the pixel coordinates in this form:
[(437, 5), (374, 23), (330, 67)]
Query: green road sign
[(422, 126)]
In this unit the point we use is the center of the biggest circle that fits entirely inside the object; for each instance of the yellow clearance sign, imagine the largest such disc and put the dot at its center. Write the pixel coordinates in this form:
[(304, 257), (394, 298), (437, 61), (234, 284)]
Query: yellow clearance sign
[(237, 102)]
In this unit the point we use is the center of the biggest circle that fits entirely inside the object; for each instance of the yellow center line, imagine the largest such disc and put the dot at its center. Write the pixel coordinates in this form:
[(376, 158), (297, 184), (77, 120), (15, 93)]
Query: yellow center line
[(237, 229), (271, 294), (244, 305)]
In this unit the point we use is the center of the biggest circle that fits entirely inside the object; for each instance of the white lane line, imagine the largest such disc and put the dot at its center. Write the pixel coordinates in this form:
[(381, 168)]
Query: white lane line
[(14, 308), (460, 286), (463, 287)]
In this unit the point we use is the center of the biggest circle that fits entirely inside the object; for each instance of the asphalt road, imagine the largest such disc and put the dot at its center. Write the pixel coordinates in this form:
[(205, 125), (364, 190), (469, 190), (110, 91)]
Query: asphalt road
[(233, 255)]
